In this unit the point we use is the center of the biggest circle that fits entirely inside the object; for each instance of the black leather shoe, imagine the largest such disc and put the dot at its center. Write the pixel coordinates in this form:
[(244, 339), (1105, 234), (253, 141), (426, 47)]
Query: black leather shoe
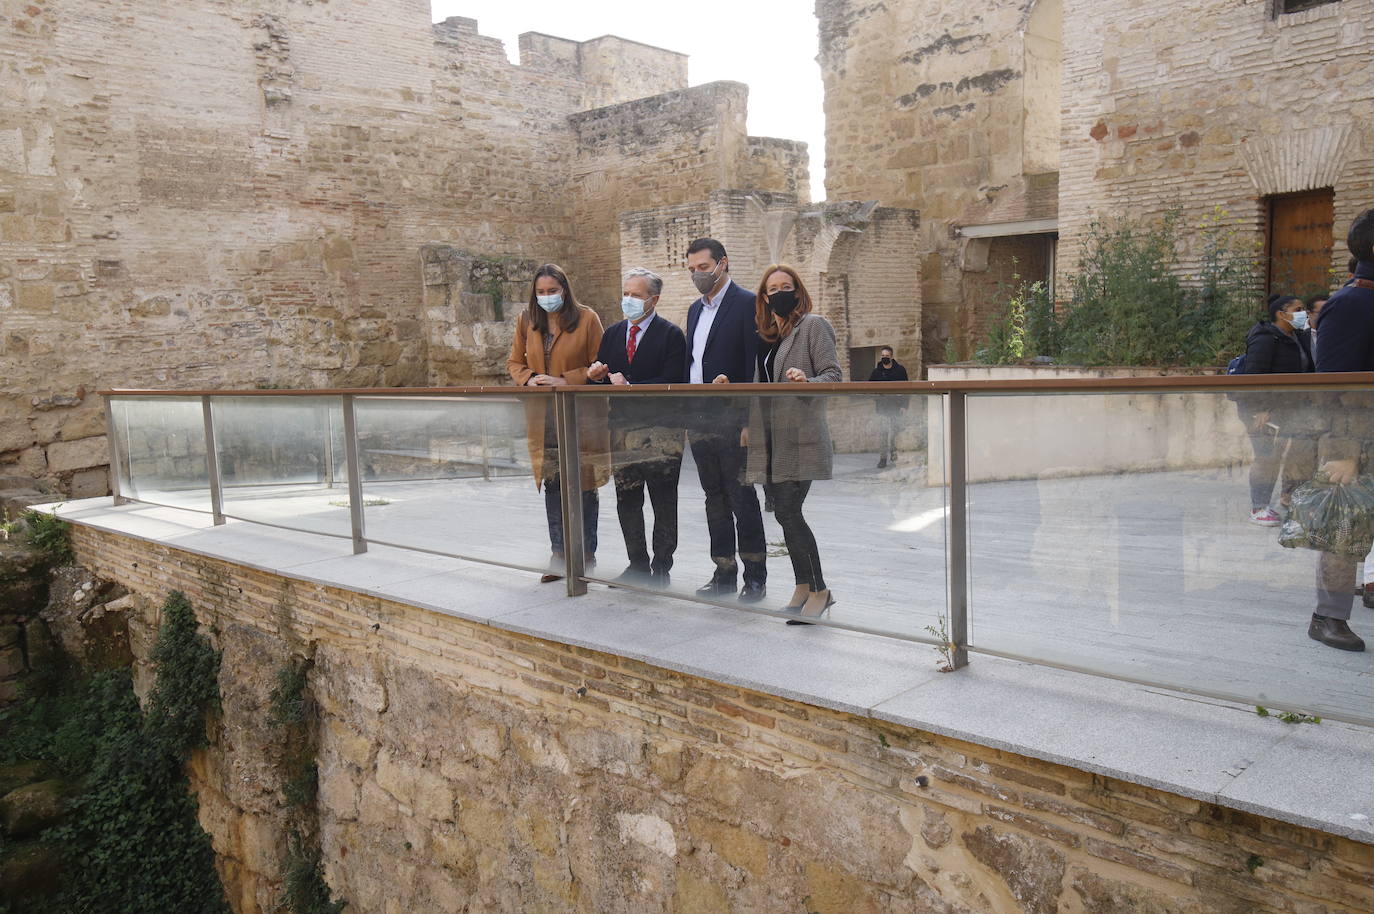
[(718, 587), (753, 592), (636, 577), (661, 580), (1334, 633)]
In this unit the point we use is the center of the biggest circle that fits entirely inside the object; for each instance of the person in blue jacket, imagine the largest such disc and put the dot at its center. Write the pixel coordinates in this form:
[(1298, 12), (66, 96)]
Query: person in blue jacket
[(1347, 344), (722, 347)]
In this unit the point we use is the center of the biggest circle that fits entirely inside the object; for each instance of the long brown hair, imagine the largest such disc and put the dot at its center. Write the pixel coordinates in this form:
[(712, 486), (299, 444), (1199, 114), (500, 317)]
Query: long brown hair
[(568, 315), (763, 315)]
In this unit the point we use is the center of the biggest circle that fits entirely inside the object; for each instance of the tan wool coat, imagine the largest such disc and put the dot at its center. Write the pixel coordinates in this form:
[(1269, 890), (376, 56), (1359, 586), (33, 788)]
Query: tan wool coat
[(791, 428), (572, 354)]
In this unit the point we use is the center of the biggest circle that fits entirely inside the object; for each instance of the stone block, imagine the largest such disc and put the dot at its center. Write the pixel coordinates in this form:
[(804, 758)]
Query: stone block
[(35, 297), (64, 456), (11, 662), (16, 435), (89, 483), (9, 636), (30, 809)]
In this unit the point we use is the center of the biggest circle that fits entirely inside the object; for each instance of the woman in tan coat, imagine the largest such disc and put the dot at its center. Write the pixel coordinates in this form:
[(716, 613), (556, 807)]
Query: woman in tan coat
[(789, 440), (556, 340)]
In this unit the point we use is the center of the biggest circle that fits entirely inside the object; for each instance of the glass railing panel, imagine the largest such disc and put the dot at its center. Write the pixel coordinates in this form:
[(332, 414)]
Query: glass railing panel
[(282, 461), (855, 468), (160, 442), (1113, 533), (456, 475)]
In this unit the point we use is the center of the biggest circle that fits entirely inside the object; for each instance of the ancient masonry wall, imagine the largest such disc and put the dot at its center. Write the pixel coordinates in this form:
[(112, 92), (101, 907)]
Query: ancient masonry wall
[(327, 194), (1214, 103), (941, 109), (466, 767)]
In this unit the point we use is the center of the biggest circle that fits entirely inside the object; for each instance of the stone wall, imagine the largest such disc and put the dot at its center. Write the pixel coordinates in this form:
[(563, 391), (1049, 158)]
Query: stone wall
[(306, 194), (951, 110), (1213, 103), (855, 258), (463, 767)]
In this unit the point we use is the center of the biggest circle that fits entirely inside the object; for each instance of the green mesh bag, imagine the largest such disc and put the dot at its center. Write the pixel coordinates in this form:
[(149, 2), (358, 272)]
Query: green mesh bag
[(1331, 518)]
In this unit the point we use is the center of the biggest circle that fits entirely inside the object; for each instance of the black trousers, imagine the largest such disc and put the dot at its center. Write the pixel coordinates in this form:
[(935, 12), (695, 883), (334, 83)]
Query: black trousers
[(660, 476), (732, 507), (801, 542)]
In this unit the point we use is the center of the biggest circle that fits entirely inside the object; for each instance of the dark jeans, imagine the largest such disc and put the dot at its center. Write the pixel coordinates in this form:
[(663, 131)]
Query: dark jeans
[(553, 507), (887, 422), (801, 543), (660, 476), (731, 506)]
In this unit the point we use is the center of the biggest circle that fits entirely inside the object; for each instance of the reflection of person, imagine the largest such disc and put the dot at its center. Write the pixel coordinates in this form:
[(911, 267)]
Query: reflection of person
[(555, 341), (889, 408), (789, 441), (1347, 345), (721, 347), (643, 349), (1278, 346)]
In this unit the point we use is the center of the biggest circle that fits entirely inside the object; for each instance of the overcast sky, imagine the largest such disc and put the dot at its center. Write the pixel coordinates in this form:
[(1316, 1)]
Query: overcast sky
[(770, 45)]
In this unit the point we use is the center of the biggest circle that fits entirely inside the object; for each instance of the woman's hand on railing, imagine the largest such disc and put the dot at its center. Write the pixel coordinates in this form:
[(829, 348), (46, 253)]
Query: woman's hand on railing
[(795, 374), (720, 379), (546, 380)]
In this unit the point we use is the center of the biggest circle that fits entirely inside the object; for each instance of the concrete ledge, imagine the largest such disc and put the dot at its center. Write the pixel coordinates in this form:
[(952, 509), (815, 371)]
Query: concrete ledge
[(1316, 776)]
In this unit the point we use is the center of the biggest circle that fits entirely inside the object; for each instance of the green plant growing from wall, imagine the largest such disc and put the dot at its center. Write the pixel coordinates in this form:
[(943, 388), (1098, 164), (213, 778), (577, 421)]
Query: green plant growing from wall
[(50, 535), (290, 713), (130, 841)]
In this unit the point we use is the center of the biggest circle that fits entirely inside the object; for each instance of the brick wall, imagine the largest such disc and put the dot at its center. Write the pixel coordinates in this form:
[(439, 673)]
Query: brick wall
[(463, 766), (1211, 103)]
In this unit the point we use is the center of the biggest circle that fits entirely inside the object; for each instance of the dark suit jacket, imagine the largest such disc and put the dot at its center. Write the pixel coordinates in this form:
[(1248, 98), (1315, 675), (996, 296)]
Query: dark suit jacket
[(645, 427), (733, 344), (660, 352)]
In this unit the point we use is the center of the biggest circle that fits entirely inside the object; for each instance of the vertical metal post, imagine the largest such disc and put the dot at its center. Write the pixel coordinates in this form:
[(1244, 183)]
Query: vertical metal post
[(956, 559), (212, 462), (486, 458), (117, 455), (328, 447), (355, 476), (570, 477)]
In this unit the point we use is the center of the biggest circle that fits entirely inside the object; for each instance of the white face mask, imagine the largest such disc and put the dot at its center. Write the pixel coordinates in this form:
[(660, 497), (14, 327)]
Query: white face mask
[(1298, 319), (632, 308), (550, 303)]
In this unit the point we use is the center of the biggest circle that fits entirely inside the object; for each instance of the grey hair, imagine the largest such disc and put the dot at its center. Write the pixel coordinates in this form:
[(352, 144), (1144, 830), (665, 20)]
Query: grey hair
[(653, 279)]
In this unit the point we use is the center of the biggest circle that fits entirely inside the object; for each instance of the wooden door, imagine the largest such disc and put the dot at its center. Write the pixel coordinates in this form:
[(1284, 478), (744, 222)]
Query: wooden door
[(1300, 239)]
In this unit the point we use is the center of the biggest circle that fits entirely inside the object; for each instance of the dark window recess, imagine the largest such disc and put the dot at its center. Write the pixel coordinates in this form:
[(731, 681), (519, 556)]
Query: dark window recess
[(1297, 6)]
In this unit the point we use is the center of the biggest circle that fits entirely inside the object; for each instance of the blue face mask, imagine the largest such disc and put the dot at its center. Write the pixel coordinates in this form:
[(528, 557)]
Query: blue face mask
[(632, 308), (550, 303), (1298, 319)]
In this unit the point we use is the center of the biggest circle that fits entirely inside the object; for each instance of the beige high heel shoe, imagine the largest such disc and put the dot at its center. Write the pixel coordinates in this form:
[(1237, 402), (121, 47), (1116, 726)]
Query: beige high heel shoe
[(817, 605), (798, 599)]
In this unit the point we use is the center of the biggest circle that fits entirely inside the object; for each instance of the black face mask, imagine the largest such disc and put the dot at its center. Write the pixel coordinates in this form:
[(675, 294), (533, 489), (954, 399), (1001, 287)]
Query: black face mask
[(783, 302), (887, 360)]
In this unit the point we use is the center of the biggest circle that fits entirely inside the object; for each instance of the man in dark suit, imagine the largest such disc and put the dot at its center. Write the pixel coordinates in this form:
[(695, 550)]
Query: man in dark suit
[(722, 346), (643, 349)]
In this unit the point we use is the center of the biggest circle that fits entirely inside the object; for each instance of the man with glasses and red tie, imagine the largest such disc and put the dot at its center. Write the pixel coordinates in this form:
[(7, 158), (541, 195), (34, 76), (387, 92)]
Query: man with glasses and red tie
[(645, 348)]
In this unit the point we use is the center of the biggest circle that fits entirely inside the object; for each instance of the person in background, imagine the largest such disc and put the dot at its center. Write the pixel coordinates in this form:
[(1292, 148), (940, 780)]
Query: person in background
[(722, 346), (644, 348), (888, 408), (1277, 346), (1347, 345), (555, 342), (788, 438)]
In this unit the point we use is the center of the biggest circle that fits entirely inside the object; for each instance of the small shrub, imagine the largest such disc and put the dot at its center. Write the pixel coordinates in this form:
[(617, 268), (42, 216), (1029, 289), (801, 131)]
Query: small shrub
[(50, 535)]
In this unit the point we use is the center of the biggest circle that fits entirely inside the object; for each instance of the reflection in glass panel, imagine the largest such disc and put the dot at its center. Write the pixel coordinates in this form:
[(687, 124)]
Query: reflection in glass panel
[(709, 497), (456, 475), (161, 443), (1126, 534), (281, 461)]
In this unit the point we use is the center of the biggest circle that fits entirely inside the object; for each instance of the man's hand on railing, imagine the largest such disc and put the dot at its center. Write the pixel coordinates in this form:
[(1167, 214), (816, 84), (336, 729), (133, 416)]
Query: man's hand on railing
[(1340, 472), (620, 380), (720, 379), (597, 371)]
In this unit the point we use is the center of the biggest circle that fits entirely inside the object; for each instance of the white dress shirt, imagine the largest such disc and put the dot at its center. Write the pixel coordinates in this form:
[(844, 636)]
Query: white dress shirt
[(704, 322)]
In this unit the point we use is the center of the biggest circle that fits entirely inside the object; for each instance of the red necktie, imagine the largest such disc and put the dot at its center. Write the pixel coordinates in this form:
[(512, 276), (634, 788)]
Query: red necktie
[(630, 346)]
